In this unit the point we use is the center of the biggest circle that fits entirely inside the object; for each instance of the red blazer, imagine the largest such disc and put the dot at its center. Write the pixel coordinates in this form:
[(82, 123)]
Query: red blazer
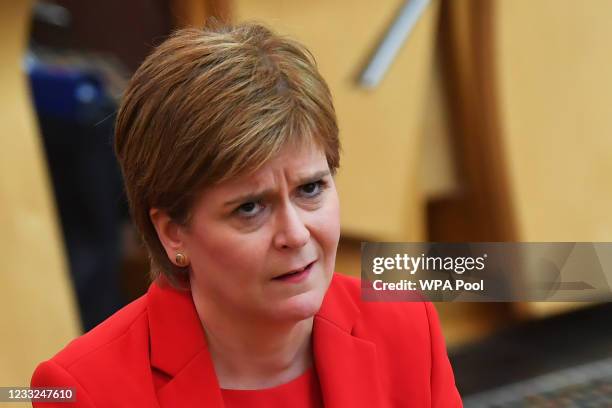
[(153, 353)]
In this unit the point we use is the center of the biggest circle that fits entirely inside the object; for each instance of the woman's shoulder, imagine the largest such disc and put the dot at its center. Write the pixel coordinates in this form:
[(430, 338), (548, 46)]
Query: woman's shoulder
[(119, 341), (349, 288), (378, 315), (121, 324), (409, 344)]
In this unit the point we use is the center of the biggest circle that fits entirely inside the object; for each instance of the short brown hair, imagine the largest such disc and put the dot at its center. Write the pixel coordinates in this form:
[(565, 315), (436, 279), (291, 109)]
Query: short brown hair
[(208, 105)]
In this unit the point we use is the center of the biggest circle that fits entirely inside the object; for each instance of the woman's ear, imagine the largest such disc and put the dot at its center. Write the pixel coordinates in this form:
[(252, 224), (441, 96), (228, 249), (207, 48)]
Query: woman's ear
[(168, 231)]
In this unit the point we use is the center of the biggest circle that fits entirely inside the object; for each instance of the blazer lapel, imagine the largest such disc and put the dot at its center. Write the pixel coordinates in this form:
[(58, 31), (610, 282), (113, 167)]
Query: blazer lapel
[(346, 365), (179, 350), (194, 386)]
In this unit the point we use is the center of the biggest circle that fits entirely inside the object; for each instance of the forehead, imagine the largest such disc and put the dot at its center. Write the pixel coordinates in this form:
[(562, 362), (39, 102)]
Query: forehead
[(293, 163)]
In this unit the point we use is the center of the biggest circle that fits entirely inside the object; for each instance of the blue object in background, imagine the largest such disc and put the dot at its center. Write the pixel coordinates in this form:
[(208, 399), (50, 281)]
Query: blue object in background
[(65, 93)]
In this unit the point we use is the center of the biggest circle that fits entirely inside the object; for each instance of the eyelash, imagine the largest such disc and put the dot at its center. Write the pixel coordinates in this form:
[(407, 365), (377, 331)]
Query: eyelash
[(320, 184)]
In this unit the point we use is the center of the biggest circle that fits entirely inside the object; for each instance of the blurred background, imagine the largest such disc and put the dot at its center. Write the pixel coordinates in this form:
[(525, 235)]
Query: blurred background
[(461, 120)]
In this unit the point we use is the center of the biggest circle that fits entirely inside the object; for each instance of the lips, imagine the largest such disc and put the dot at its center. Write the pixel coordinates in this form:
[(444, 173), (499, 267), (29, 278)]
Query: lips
[(296, 273)]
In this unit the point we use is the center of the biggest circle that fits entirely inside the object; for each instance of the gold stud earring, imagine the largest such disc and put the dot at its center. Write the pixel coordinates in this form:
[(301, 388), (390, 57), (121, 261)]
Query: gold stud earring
[(181, 260)]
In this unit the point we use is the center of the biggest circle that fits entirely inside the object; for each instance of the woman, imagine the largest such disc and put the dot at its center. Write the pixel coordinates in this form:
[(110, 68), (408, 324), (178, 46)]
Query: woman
[(228, 143)]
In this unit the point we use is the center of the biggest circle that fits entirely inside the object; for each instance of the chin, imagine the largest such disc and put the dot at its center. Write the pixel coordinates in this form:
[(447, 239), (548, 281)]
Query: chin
[(299, 307)]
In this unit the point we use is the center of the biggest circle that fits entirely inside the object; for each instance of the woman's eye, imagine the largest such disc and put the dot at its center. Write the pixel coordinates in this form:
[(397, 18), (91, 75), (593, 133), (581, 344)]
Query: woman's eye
[(249, 209), (313, 189)]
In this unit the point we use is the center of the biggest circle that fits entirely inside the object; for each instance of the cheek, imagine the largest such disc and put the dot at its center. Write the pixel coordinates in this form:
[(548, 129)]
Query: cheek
[(328, 227), (222, 250)]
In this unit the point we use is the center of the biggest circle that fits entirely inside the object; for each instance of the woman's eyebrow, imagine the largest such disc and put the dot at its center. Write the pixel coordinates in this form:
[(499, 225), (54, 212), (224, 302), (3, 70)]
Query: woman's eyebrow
[(313, 177), (259, 195), (248, 197)]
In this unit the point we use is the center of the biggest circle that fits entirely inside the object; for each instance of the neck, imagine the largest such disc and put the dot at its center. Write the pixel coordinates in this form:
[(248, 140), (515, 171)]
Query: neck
[(250, 353)]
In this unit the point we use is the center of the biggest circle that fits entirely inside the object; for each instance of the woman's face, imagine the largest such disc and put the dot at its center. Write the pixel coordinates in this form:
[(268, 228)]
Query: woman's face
[(251, 238)]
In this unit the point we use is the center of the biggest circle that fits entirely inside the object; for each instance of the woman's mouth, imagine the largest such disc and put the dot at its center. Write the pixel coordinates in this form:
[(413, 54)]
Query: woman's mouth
[(296, 276)]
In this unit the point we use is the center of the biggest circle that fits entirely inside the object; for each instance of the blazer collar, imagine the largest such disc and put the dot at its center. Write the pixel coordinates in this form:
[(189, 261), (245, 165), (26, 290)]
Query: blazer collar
[(346, 365), (178, 349)]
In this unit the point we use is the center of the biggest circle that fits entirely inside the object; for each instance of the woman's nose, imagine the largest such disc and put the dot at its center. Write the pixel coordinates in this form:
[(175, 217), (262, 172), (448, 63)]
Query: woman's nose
[(291, 230)]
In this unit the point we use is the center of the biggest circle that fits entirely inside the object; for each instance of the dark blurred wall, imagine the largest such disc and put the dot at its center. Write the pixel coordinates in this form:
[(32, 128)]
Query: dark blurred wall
[(127, 29)]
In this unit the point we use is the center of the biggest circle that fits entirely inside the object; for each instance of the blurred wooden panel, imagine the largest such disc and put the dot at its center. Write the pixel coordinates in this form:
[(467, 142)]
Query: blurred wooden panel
[(556, 92), (381, 129), (483, 208), (439, 177), (38, 312), (555, 88)]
